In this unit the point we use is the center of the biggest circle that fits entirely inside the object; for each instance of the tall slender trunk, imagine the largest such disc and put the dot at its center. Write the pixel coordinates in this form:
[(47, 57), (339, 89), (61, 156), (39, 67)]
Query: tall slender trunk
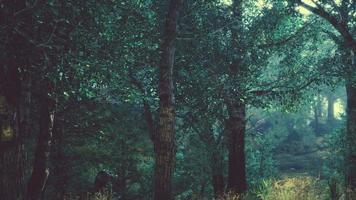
[(164, 142), (11, 151), (235, 127), (40, 169), (217, 173), (11, 141), (122, 187), (351, 136), (318, 114), (60, 161), (351, 131), (235, 124)]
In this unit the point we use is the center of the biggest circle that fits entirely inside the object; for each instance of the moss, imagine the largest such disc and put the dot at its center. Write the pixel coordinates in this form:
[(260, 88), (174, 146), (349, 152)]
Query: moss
[(7, 133)]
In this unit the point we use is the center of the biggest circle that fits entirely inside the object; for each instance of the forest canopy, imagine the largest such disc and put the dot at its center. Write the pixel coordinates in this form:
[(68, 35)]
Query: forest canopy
[(177, 99)]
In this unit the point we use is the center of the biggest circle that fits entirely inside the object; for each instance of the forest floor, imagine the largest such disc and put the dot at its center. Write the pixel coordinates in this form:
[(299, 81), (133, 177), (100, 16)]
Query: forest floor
[(300, 177), (308, 162)]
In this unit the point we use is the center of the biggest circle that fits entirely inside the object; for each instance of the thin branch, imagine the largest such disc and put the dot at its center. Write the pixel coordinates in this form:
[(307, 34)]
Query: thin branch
[(27, 11), (275, 92), (333, 36), (49, 38), (285, 40)]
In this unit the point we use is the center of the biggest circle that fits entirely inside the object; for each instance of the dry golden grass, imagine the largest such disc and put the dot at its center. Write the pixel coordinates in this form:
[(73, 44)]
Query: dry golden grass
[(90, 196), (297, 188)]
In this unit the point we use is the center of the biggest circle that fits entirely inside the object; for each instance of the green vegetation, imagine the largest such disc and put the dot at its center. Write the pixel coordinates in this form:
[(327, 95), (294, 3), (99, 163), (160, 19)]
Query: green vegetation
[(178, 99)]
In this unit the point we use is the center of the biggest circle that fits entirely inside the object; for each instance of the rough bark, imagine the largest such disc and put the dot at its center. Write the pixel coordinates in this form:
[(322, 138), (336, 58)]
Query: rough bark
[(61, 161), (217, 174), (235, 127), (351, 136), (235, 124), (40, 169), (11, 141), (122, 187), (164, 142)]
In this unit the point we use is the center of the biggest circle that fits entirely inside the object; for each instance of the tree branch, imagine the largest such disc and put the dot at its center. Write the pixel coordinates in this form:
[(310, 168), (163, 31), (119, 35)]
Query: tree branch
[(275, 92), (340, 26), (27, 11), (284, 40), (151, 125)]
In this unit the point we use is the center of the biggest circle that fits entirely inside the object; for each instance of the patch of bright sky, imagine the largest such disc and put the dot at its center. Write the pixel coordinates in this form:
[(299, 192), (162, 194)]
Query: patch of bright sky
[(339, 109), (259, 3), (263, 4), (226, 2), (306, 12), (303, 10)]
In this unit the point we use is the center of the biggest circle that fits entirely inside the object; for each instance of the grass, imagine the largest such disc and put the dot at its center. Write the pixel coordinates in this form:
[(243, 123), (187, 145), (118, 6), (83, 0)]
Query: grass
[(287, 188), (296, 188), (90, 196)]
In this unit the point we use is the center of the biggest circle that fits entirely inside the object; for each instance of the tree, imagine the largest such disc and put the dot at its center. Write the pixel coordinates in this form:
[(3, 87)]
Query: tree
[(16, 60), (164, 140), (341, 17), (40, 169)]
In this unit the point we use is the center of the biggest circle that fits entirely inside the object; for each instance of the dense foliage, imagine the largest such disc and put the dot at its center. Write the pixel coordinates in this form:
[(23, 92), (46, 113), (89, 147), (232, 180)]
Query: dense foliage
[(179, 99)]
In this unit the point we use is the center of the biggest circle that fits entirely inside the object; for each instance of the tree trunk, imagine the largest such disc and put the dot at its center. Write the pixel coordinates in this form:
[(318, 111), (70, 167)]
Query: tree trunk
[(316, 120), (351, 136), (11, 141), (120, 185), (59, 159), (40, 170), (235, 127), (217, 174), (164, 142), (235, 124), (12, 173)]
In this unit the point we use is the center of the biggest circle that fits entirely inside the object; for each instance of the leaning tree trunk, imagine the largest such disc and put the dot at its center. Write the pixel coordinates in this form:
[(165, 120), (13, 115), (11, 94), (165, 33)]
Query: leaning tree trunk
[(235, 127), (164, 142), (40, 169)]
